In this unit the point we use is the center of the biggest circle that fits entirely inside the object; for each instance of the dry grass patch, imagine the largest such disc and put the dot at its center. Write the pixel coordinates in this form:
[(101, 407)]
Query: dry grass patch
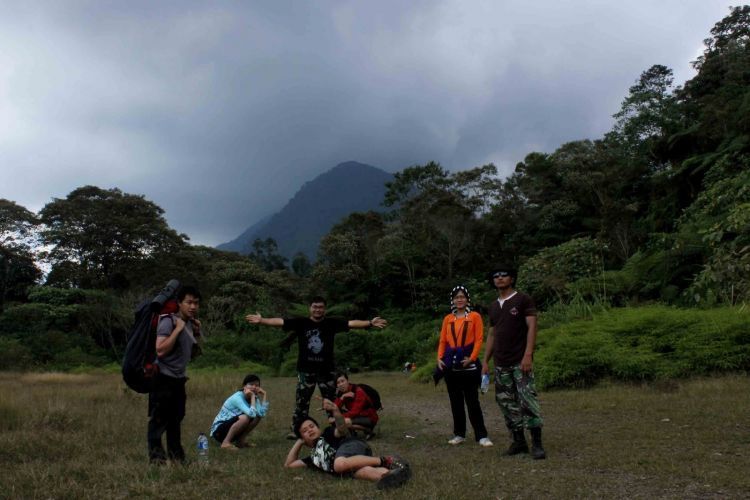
[(687, 439)]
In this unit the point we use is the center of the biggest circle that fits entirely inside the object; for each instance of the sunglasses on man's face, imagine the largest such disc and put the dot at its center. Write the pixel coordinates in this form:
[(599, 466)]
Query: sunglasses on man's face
[(501, 274)]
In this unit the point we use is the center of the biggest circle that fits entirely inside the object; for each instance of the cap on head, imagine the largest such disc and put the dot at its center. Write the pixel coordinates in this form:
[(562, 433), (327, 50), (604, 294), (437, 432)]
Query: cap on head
[(501, 270)]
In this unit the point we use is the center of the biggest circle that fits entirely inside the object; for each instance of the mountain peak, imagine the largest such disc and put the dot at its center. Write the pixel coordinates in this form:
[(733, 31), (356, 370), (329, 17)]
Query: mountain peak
[(316, 207)]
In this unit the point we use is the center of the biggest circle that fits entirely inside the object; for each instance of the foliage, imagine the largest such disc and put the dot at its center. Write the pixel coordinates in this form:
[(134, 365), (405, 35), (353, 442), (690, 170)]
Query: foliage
[(647, 343), (102, 232), (722, 214), (547, 276), (63, 328), (18, 269), (266, 254)]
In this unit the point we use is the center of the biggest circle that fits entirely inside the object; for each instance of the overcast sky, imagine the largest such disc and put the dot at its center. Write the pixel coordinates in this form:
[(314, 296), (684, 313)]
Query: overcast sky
[(220, 111)]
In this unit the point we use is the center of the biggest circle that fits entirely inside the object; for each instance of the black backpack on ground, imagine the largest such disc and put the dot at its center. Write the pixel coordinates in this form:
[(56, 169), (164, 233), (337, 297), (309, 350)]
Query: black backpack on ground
[(139, 365), (373, 395)]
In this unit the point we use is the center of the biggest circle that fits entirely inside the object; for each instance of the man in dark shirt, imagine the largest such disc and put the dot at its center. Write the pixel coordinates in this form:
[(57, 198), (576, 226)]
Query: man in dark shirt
[(175, 340), (315, 362), (510, 344)]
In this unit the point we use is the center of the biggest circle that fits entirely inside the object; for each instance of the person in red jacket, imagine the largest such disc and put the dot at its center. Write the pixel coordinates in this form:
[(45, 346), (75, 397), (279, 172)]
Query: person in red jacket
[(457, 358), (356, 406)]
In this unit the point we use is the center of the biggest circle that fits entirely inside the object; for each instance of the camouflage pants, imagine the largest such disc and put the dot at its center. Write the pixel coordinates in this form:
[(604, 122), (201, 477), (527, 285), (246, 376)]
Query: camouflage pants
[(306, 383), (517, 397)]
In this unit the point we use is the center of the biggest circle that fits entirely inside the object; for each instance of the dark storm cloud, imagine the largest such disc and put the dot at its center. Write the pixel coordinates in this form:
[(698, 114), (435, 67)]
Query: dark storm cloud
[(219, 112)]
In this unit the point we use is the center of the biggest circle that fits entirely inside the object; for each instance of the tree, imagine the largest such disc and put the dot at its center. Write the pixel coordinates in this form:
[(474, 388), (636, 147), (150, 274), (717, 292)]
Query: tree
[(439, 211), (17, 267), (98, 233), (348, 265), (648, 116), (301, 265), (266, 254)]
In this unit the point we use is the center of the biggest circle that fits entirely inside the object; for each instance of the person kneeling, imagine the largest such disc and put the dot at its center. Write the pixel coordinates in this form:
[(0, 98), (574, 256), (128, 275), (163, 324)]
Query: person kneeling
[(359, 411), (335, 451), (240, 413)]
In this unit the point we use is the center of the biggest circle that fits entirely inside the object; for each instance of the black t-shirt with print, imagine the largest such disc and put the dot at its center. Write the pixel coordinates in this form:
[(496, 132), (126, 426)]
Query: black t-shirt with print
[(510, 329), (315, 340)]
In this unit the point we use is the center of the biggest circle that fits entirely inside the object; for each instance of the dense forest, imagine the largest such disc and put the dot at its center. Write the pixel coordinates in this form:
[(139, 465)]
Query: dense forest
[(656, 213)]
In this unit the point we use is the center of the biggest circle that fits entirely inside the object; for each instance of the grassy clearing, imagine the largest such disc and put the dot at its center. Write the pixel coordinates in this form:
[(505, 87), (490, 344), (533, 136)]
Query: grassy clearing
[(83, 436)]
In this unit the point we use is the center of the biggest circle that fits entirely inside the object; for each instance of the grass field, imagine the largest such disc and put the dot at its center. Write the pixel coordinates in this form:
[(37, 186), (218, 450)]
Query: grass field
[(83, 436)]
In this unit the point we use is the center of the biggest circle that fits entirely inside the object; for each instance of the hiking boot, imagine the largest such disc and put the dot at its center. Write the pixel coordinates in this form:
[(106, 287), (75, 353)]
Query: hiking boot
[(537, 450), (518, 445), (393, 478), (456, 440)]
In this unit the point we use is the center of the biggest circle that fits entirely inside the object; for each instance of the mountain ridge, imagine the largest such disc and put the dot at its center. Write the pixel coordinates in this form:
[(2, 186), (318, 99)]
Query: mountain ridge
[(315, 208)]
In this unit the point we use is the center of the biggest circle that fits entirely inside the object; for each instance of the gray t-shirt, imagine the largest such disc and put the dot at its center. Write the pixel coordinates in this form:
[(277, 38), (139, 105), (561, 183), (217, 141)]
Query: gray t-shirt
[(174, 364)]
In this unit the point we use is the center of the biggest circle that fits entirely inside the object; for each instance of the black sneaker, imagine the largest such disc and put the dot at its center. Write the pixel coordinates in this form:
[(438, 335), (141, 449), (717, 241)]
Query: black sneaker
[(393, 478)]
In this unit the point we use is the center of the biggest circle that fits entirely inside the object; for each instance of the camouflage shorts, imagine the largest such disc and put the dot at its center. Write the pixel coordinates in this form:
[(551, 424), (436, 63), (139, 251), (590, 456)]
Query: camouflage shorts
[(517, 397), (306, 383)]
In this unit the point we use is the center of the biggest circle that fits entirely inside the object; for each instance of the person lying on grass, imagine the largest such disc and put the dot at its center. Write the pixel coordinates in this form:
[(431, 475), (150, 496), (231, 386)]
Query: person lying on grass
[(240, 414), (335, 451)]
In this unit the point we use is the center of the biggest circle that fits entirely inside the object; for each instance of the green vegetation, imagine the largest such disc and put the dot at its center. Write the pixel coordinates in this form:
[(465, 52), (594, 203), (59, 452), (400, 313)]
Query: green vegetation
[(647, 343), (83, 436)]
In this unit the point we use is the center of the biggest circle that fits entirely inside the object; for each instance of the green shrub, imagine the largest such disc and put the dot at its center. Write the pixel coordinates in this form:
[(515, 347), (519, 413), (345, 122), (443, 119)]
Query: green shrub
[(547, 275), (645, 343), (76, 357), (14, 355)]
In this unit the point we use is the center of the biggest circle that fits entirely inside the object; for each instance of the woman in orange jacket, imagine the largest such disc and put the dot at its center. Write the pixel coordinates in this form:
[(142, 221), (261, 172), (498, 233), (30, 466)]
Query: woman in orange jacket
[(458, 358)]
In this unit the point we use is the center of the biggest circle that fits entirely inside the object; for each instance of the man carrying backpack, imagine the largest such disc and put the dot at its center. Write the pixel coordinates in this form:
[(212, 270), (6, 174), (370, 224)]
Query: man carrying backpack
[(175, 342), (359, 410)]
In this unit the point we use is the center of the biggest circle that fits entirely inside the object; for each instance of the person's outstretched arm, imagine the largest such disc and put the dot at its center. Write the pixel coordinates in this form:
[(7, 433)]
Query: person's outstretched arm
[(377, 322), (257, 319), (292, 458)]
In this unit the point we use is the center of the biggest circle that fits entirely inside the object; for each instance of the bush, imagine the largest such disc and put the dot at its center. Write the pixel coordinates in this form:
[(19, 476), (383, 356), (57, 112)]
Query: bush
[(547, 275), (646, 343), (14, 355)]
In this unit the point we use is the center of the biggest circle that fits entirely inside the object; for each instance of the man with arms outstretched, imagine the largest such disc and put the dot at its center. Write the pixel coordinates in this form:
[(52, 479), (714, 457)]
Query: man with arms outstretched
[(315, 362)]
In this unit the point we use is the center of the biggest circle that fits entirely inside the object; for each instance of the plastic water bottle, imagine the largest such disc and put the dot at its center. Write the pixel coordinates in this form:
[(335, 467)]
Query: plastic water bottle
[(485, 383), (202, 448)]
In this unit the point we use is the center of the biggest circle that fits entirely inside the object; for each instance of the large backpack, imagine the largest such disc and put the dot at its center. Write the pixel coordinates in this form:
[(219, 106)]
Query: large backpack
[(373, 395), (139, 367)]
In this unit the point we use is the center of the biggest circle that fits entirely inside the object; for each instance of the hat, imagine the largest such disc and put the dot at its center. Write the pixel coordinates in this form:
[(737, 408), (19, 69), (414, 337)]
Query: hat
[(501, 268)]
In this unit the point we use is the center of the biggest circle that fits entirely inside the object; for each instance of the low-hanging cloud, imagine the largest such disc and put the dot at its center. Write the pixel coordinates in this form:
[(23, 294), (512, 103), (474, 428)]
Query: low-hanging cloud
[(219, 112)]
